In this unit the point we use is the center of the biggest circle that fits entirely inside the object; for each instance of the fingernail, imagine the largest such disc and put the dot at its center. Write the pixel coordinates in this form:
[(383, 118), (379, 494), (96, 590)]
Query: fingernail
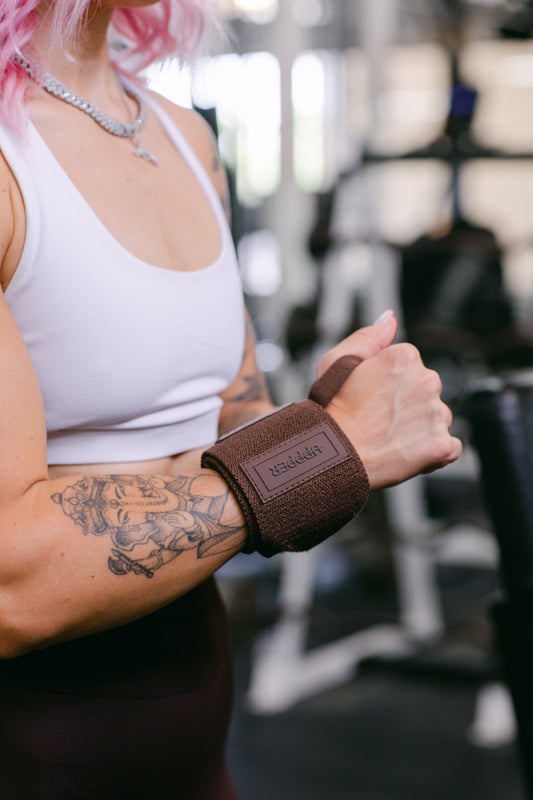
[(383, 318)]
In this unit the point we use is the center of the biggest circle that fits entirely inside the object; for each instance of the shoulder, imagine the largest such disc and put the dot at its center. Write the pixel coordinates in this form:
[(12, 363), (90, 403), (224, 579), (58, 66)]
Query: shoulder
[(201, 138), (193, 126)]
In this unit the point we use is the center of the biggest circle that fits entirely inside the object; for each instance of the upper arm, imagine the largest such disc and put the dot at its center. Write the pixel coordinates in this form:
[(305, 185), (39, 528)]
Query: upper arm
[(7, 221), (22, 419), (12, 223), (22, 424)]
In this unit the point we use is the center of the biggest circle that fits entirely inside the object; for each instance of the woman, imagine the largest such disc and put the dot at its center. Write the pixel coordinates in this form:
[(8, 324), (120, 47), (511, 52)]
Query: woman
[(124, 352)]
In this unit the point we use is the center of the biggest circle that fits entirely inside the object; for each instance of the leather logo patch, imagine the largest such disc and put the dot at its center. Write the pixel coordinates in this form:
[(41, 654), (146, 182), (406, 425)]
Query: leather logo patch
[(295, 461)]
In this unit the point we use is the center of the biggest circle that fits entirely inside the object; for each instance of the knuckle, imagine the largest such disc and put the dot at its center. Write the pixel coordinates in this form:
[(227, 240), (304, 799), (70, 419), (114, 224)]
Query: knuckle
[(444, 417), (443, 447), (410, 352), (441, 415), (433, 382), (404, 353)]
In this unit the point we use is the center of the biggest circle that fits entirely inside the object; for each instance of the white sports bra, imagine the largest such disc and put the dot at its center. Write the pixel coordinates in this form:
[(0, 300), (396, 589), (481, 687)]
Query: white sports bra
[(130, 357)]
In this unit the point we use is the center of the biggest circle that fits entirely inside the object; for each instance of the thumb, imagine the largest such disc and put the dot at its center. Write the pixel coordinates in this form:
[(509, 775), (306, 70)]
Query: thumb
[(364, 343)]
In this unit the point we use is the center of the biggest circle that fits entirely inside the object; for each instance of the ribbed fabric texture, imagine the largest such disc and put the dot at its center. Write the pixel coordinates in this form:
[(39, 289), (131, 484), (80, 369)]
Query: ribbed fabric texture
[(298, 517)]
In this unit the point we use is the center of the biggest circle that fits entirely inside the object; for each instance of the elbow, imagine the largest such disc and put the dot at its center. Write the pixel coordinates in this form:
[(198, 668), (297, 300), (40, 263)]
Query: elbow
[(20, 631), (11, 630), (14, 641), (13, 644), (11, 647), (27, 619)]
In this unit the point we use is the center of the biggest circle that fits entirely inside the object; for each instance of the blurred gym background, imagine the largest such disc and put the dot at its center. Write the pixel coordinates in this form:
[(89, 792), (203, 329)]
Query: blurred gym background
[(380, 154)]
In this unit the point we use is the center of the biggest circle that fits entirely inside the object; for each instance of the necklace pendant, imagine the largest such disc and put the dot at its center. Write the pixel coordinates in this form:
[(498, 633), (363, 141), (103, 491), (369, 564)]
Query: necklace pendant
[(142, 152), (109, 124)]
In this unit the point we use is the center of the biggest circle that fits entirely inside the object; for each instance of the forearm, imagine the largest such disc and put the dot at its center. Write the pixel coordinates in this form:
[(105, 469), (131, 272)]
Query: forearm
[(83, 554), (79, 555)]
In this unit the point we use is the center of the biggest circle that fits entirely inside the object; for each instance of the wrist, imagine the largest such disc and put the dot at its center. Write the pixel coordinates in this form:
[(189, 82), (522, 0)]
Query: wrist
[(294, 473)]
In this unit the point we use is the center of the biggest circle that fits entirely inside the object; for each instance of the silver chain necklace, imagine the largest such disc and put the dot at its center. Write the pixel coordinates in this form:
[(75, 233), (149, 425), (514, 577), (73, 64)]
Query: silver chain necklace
[(110, 124)]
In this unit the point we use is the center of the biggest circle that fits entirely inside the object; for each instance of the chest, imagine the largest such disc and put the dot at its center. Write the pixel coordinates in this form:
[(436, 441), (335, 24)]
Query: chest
[(160, 214), (140, 345)]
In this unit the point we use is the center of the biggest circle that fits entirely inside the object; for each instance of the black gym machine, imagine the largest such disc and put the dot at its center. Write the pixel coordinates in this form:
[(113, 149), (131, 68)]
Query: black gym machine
[(500, 412)]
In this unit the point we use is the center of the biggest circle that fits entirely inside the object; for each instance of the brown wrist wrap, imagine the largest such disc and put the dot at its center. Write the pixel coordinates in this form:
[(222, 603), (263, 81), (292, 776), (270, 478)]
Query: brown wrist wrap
[(294, 472)]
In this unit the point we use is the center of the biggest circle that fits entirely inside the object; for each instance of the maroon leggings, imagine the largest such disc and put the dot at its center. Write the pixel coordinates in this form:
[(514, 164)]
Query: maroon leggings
[(141, 711)]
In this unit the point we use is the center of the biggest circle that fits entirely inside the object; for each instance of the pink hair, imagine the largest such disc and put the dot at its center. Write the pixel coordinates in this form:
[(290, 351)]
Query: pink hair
[(138, 37)]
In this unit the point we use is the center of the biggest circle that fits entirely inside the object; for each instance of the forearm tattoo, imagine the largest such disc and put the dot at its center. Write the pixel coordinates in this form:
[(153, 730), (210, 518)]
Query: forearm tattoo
[(149, 521)]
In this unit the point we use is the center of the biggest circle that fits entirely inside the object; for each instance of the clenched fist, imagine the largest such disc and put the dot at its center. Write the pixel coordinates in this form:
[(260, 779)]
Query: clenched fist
[(390, 407)]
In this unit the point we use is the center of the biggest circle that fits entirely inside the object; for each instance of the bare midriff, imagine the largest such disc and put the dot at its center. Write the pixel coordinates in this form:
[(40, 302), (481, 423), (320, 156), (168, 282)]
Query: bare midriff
[(171, 465)]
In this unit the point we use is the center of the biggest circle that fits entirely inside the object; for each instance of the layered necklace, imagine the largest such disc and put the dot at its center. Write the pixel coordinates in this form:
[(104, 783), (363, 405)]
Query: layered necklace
[(113, 126)]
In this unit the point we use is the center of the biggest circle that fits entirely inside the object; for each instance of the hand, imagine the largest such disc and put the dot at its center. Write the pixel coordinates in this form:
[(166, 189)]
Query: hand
[(390, 408), (364, 343)]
